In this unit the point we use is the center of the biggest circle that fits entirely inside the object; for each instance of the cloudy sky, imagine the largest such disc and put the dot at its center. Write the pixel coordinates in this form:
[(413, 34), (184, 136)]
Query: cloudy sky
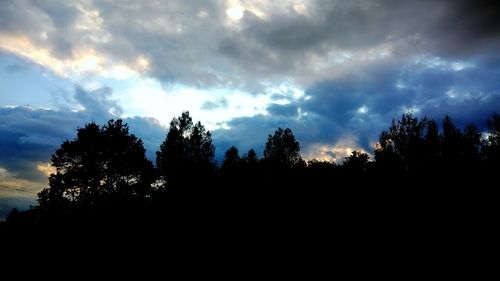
[(335, 72)]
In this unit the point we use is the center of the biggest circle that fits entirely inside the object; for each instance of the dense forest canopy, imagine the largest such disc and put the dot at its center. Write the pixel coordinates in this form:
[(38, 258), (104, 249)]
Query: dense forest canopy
[(103, 173)]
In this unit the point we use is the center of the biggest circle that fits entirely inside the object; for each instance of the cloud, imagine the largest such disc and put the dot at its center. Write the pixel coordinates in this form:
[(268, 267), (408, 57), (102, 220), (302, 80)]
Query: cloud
[(29, 136), (242, 44), (150, 131), (321, 116), (16, 68), (336, 152), (211, 105), (98, 103)]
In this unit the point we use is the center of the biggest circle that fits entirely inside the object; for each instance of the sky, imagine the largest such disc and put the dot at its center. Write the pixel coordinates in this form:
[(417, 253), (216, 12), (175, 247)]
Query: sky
[(335, 72)]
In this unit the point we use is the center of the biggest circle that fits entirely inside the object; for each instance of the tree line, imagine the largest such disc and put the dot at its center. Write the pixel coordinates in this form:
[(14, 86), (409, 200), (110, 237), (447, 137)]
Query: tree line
[(103, 174)]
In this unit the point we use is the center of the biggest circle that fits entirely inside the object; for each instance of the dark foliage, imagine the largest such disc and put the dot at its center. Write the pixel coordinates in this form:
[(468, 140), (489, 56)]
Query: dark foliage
[(232, 159), (357, 162), (104, 181), (282, 149), (101, 163), (186, 155)]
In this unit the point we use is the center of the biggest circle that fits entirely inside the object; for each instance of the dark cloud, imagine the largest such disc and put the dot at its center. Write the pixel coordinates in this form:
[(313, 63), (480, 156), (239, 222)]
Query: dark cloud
[(196, 43), (150, 131), (28, 136), (246, 133), (288, 110), (98, 103), (21, 17), (468, 27)]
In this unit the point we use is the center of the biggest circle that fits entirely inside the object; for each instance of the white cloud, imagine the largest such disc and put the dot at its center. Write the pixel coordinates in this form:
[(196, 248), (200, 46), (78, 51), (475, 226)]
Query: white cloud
[(84, 61), (442, 64)]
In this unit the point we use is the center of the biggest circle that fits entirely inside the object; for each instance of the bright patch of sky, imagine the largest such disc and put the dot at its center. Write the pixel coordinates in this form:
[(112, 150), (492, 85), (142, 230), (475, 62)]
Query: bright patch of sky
[(147, 97), (136, 94)]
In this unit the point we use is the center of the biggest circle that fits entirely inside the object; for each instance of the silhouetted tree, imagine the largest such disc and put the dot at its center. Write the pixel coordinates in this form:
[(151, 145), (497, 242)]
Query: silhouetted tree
[(101, 163), (401, 146), (249, 165), (103, 170), (432, 145), (356, 162), (250, 157), (187, 150), (21, 220), (231, 159), (471, 145), (318, 164), (452, 143), (386, 154), (282, 149), (319, 172)]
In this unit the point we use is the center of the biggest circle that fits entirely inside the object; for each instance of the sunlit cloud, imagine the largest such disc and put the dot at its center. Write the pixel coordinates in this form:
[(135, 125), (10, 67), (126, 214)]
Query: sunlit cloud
[(84, 61), (235, 12), (46, 168), (334, 153)]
